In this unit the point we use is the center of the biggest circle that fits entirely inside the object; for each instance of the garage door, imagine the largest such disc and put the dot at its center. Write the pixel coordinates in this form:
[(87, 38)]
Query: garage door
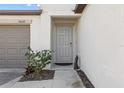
[(14, 41)]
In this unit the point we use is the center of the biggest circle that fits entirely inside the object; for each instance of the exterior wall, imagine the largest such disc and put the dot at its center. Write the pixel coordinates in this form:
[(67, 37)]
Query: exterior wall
[(101, 44), (50, 11), (53, 11), (58, 7)]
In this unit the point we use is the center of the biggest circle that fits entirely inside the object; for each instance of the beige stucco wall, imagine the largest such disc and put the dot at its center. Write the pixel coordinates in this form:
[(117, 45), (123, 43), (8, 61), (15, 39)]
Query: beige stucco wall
[(101, 44), (50, 11)]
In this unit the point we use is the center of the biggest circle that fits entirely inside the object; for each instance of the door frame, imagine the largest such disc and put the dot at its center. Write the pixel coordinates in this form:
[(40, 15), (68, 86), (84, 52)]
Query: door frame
[(74, 37)]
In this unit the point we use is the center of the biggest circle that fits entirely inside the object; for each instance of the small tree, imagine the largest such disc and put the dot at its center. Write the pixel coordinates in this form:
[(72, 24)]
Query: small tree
[(38, 60)]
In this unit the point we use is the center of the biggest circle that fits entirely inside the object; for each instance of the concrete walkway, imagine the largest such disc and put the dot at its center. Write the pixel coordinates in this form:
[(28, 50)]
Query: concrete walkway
[(62, 79)]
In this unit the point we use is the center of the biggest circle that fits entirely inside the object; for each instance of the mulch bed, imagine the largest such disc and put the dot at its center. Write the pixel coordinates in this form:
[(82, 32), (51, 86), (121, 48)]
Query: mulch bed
[(44, 75), (85, 79)]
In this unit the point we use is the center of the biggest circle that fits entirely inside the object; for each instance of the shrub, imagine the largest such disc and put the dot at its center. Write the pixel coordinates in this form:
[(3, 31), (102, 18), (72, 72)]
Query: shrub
[(37, 60)]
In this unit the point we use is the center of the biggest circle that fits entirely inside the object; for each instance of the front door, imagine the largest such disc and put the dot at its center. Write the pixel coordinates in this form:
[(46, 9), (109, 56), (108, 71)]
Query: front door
[(64, 44)]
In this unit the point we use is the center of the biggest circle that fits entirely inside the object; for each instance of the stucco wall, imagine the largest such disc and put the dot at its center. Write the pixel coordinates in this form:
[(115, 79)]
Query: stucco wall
[(50, 11), (101, 44), (58, 7)]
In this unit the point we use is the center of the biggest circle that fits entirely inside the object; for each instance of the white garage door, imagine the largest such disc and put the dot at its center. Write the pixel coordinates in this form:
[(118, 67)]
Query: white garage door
[(14, 41)]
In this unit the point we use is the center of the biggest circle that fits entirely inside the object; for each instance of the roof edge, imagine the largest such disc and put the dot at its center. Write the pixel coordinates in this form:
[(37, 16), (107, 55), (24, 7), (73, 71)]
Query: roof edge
[(20, 12), (79, 8)]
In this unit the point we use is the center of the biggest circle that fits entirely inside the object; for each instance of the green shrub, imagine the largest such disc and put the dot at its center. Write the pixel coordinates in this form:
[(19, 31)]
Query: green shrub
[(38, 60)]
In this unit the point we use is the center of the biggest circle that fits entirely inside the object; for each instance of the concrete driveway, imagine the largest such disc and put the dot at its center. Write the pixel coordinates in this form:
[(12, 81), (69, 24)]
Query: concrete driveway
[(7, 75)]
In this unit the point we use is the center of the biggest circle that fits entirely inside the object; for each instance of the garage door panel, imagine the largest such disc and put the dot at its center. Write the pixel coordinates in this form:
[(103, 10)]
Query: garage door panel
[(2, 40), (2, 51), (2, 57), (14, 41), (2, 54), (12, 51), (22, 51), (11, 65), (2, 61), (15, 57), (18, 63), (18, 45), (13, 61)]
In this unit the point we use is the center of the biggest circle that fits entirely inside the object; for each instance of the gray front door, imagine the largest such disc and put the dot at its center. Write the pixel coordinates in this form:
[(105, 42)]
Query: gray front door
[(14, 41), (64, 44)]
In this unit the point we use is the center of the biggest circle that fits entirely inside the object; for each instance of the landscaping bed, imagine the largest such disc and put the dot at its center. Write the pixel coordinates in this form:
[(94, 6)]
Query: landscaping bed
[(43, 75), (85, 79)]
